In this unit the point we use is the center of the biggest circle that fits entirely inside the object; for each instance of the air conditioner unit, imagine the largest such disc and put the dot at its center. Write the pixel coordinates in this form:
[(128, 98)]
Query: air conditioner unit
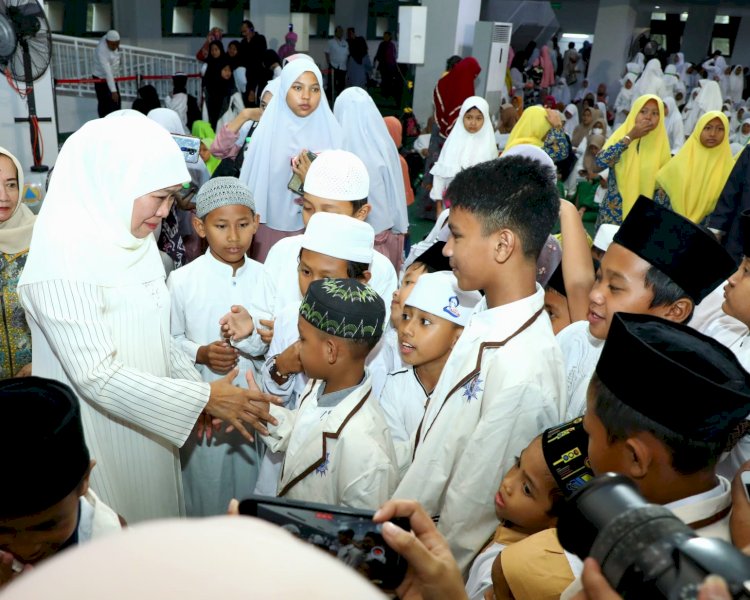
[(491, 46)]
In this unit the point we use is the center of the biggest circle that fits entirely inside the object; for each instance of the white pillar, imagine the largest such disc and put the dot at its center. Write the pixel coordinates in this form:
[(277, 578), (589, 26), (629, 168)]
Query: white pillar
[(696, 39), (613, 32)]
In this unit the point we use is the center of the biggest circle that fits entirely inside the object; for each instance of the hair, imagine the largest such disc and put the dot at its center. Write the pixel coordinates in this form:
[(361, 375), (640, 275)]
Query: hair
[(452, 62), (249, 24), (517, 193), (357, 204), (665, 290), (420, 265), (688, 454), (356, 270)]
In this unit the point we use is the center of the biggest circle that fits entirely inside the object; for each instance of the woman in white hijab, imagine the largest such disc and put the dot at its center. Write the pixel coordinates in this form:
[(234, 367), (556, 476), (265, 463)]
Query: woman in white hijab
[(674, 125), (651, 81), (736, 84), (708, 98), (464, 148), (672, 83), (624, 99), (571, 119), (742, 135), (366, 135), (16, 226), (561, 91), (299, 119), (99, 313)]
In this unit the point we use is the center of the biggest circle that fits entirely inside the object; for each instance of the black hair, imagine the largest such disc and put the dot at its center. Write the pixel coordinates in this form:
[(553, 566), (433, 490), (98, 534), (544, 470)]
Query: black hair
[(355, 270), (689, 455), (517, 193), (427, 268), (357, 204), (665, 290), (249, 24), (452, 62), (571, 45)]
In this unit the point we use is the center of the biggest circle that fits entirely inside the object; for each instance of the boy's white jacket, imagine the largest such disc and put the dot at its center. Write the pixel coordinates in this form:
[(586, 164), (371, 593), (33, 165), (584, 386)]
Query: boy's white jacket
[(503, 384), (346, 458)]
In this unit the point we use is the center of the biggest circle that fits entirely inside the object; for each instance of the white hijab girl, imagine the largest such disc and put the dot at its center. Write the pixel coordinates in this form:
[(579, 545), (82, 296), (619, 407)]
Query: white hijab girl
[(624, 99), (466, 146), (571, 119), (674, 125), (298, 119), (366, 135), (651, 81)]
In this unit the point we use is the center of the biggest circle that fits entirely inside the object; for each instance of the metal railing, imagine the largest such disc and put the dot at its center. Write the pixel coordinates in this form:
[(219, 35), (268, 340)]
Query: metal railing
[(73, 64)]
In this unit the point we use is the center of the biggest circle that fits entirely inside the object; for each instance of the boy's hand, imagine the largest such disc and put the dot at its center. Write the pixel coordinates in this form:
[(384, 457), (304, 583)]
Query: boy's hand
[(288, 361), (220, 357), (237, 324), (266, 330), (301, 164)]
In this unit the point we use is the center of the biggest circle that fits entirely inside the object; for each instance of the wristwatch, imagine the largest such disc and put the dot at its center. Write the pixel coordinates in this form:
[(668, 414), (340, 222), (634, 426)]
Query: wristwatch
[(275, 371)]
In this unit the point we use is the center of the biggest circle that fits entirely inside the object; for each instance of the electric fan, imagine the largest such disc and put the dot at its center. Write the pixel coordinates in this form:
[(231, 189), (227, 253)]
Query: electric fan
[(25, 51)]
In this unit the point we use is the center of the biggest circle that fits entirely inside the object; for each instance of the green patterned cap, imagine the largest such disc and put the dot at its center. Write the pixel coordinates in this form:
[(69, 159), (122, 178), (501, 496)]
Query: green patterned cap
[(345, 308)]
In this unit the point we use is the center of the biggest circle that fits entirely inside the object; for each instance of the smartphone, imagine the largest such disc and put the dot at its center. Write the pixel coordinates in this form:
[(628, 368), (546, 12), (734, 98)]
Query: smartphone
[(745, 479), (190, 147), (346, 533), (295, 183)]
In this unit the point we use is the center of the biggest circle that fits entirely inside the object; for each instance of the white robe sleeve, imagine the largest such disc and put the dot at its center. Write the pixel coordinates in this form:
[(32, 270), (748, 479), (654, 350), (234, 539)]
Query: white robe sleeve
[(177, 321), (279, 435), (69, 314), (509, 421)]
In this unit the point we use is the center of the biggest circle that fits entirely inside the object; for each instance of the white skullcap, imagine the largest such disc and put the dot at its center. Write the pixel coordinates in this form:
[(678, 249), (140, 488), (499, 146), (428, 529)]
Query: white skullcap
[(340, 236), (112, 36), (604, 174), (337, 175), (604, 235), (438, 294)]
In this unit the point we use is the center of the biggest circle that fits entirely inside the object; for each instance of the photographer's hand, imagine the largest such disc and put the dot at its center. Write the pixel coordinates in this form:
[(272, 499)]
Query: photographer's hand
[(432, 573), (595, 586)]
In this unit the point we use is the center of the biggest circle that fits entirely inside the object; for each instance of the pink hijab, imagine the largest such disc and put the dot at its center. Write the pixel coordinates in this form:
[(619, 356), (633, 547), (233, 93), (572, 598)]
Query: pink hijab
[(545, 60)]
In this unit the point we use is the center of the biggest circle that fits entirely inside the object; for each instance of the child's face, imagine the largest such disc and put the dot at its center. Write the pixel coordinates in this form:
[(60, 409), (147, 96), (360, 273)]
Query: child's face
[(412, 274), (587, 117), (713, 133), (649, 114), (737, 294), (468, 249), (232, 50), (315, 204), (226, 72), (303, 96), (314, 265), (473, 120), (229, 231), (215, 51), (424, 337), (312, 350), (523, 497), (628, 84), (35, 537), (620, 286), (556, 306), (604, 457)]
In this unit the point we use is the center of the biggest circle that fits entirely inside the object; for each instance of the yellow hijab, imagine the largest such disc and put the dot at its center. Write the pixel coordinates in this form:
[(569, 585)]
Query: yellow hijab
[(696, 175), (531, 128), (636, 170)]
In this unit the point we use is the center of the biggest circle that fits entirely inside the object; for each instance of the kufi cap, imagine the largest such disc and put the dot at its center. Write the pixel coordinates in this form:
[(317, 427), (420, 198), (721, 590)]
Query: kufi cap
[(685, 252), (565, 449), (433, 258), (47, 461), (344, 308), (745, 229), (222, 191), (338, 175), (112, 36), (439, 294), (340, 236), (604, 235), (687, 382)]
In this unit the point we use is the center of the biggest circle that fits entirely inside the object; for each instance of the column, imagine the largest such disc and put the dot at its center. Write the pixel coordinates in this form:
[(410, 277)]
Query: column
[(271, 18), (696, 39), (448, 24), (613, 32), (741, 50)]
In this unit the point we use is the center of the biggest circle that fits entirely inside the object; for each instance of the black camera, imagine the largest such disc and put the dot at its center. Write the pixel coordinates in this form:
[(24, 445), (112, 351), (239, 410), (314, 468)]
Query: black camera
[(644, 550)]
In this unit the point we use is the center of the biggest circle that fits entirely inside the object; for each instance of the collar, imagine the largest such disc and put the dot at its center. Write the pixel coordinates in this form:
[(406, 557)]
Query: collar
[(73, 539), (224, 268), (706, 508), (335, 398), (501, 321)]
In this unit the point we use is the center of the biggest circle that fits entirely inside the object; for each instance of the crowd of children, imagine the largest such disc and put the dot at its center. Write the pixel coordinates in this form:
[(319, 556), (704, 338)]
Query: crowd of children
[(488, 371)]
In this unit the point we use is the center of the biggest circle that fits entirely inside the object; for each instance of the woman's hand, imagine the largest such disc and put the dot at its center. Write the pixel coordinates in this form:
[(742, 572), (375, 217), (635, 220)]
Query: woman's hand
[(301, 165), (554, 118)]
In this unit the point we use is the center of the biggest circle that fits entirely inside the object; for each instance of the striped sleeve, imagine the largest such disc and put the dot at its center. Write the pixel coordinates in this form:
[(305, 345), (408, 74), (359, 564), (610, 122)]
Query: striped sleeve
[(70, 317)]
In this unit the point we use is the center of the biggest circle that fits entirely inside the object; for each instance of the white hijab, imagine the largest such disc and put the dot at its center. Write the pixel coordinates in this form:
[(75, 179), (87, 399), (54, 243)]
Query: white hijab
[(743, 139), (651, 81), (463, 149), (83, 229), (673, 123), (561, 91), (15, 233), (709, 98), (169, 119), (279, 137), (736, 84), (572, 122), (366, 135)]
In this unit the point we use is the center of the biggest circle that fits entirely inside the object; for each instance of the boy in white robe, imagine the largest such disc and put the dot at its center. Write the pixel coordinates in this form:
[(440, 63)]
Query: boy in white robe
[(222, 466), (648, 433), (659, 263), (333, 245), (430, 323), (504, 381), (337, 446), (46, 505), (337, 182)]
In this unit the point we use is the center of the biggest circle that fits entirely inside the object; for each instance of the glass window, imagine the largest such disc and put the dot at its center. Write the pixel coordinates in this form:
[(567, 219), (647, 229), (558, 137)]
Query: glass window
[(720, 44), (658, 16), (182, 20), (722, 20)]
